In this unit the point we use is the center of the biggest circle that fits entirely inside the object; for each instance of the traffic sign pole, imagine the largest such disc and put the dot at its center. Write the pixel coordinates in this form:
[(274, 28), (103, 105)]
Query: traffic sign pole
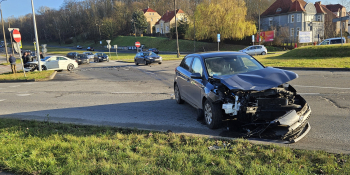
[(137, 44), (17, 37)]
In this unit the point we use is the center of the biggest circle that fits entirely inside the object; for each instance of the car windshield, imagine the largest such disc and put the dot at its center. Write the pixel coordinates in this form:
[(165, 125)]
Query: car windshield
[(149, 54), (231, 64), (46, 58), (88, 53), (101, 54)]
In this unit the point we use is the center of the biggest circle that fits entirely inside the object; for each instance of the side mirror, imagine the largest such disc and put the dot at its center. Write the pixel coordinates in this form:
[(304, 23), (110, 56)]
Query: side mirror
[(196, 76)]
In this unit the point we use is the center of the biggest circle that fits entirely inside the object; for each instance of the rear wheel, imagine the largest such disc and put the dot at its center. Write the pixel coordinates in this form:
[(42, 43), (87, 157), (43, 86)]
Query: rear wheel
[(263, 53), (43, 67), (212, 114), (177, 95), (70, 67)]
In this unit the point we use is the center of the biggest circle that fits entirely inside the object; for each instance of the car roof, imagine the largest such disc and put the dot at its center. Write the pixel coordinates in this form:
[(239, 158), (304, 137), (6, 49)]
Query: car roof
[(214, 54)]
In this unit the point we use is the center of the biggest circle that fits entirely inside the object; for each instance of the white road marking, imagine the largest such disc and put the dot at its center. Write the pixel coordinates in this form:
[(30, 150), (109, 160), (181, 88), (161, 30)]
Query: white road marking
[(22, 95), (127, 92), (309, 93), (15, 86), (322, 87), (2, 99)]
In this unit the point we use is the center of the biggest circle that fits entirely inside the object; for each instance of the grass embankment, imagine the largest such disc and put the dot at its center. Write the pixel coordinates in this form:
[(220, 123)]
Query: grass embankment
[(29, 75), (31, 147), (329, 56)]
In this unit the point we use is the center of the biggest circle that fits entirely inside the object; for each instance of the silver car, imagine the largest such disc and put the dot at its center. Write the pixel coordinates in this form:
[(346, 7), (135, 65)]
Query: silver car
[(90, 55), (255, 50)]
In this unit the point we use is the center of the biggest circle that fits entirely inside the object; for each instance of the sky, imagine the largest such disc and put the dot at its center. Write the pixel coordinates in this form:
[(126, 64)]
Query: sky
[(18, 8)]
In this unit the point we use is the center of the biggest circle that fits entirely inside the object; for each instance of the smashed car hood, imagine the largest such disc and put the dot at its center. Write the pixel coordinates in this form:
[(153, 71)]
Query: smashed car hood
[(257, 80)]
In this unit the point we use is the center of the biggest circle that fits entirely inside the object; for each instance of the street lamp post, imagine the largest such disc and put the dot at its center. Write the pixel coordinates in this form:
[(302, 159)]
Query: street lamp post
[(36, 38), (3, 31)]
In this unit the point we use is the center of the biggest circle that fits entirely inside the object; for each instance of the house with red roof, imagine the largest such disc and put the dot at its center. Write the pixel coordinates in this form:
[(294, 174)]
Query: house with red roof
[(152, 17), (167, 21), (298, 15)]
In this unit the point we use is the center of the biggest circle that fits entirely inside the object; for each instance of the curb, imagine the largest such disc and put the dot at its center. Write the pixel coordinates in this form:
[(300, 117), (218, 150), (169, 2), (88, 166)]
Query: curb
[(35, 80), (314, 69)]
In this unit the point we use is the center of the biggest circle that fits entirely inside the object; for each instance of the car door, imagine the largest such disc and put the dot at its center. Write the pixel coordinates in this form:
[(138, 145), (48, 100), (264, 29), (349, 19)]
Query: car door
[(250, 50), (52, 63), (196, 85), (62, 62), (183, 75)]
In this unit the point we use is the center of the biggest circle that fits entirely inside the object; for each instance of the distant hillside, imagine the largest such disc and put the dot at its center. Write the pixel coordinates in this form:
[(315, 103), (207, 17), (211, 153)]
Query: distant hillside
[(335, 50)]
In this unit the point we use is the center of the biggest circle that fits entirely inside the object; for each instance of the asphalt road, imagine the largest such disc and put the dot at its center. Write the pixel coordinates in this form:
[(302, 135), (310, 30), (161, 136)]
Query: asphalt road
[(123, 94)]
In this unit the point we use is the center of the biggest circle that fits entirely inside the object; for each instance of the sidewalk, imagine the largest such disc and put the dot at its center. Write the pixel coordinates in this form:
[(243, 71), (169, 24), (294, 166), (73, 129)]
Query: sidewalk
[(7, 68)]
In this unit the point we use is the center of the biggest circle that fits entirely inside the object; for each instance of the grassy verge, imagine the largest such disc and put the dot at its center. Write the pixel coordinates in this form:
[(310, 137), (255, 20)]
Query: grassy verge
[(29, 75), (30, 147), (129, 57), (330, 56)]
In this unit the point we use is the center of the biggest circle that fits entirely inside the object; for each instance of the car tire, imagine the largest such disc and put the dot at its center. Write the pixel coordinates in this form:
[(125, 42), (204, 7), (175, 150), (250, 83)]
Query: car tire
[(263, 53), (70, 67), (43, 67), (136, 63), (145, 62), (178, 95), (212, 114), (160, 63)]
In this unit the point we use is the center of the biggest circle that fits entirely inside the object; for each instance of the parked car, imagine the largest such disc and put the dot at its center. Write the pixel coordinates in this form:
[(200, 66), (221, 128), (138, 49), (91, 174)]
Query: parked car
[(52, 63), (147, 58), (333, 41), (72, 55), (90, 49), (82, 58), (255, 50), (98, 57), (233, 86), (90, 55), (79, 47), (155, 50)]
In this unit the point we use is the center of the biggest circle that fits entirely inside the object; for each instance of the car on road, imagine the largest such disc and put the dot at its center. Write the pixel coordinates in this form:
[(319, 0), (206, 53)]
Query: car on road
[(328, 41), (155, 50), (72, 55), (79, 47), (255, 50), (235, 87), (147, 58), (90, 55), (82, 58), (90, 49), (52, 63), (98, 57)]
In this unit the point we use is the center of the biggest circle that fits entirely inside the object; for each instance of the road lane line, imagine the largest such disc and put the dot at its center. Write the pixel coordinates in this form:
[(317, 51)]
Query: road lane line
[(2, 99), (22, 95), (322, 87), (309, 93)]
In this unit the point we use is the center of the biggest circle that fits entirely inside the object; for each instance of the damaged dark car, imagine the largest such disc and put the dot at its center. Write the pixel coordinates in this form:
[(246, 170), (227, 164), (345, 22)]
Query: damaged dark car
[(233, 86)]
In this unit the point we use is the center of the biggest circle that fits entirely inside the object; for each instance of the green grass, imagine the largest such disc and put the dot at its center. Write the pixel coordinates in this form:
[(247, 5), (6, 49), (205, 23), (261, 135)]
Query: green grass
[(29, 75), (31, 147), (330, 56)]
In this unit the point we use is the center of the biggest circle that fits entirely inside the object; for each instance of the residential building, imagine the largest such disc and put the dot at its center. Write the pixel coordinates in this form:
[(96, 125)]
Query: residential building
[(167, 21), (152, 17), (337, 11), (298, 15)]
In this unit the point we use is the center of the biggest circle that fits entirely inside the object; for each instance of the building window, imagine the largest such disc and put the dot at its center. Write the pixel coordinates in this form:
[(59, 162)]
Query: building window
[(270, 21), (292, 32), (319, 18), (292, 18), (161, 25), (298, 29), (167, 28), (150, 13), (298, 17), (157, 30), (278, 10)]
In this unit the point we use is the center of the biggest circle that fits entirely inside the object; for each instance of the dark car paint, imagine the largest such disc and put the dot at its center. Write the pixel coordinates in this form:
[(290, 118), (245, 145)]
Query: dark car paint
[(149, 59), (154, 50), (82, 58)]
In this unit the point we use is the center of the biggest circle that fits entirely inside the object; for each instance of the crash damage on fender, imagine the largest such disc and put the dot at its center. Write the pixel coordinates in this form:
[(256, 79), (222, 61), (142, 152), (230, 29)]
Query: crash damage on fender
[(264, 103)]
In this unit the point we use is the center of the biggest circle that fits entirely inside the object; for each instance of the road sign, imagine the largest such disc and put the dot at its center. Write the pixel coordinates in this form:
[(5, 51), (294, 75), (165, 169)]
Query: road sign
[(116, 46), (341, 19), (253, 38), (108, 41), (137, 44), (16, 35), (218, 38)]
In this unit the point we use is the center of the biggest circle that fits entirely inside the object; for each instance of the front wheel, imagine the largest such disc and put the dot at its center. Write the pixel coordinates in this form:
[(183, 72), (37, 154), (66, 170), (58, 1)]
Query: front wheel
[(136, 63), (43, 67), (70, 67), (212, 114), (145, 62)]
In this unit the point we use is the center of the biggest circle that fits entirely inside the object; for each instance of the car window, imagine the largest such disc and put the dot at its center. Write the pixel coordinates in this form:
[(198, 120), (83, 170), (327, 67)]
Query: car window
[(197, 66), (61, 58), (186, 63), (258, 47), (153, 54)]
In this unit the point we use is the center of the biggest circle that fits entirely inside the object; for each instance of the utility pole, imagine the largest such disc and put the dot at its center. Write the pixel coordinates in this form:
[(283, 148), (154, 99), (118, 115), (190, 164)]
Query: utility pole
[(177, 35), (259, 21), (36, 39), (3, 32)]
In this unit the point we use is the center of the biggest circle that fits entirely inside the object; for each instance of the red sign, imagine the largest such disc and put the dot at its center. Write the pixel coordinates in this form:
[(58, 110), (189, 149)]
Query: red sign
[(16, 35), (137, 44), (266, 36)]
